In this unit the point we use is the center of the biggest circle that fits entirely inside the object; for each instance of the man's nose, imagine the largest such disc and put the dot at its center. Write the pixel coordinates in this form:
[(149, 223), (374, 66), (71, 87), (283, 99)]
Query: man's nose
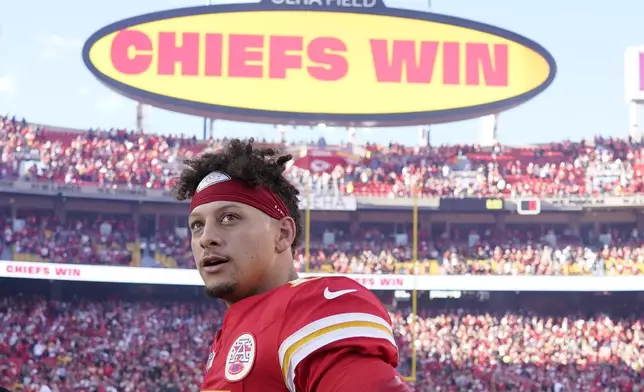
[(210, 237)]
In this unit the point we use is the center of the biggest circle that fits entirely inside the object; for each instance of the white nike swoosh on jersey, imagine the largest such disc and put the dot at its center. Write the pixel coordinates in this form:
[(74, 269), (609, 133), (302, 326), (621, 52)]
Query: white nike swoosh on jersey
[(335, 294)]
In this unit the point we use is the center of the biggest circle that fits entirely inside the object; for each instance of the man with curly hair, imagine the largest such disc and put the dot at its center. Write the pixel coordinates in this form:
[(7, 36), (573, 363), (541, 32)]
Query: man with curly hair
[(280, 332)]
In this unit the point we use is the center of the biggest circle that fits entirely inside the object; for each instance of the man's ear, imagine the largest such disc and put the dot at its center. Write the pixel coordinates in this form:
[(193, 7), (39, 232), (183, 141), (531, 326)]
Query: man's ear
[(285, 234)]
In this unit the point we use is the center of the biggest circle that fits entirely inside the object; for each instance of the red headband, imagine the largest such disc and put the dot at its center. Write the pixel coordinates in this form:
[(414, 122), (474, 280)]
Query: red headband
[(218, 186)]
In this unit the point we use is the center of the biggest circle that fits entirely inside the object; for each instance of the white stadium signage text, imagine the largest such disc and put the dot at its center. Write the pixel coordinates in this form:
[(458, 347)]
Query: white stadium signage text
[(189, 277)]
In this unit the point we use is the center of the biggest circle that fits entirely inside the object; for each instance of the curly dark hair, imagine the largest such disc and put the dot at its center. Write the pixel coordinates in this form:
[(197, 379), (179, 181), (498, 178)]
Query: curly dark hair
[(242, 161)]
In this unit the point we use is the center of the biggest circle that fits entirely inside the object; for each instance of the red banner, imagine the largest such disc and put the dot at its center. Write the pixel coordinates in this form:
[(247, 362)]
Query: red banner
[(321, 160)]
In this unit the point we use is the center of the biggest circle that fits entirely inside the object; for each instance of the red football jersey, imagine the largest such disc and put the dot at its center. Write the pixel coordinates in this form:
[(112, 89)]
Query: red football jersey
[(267, 341)]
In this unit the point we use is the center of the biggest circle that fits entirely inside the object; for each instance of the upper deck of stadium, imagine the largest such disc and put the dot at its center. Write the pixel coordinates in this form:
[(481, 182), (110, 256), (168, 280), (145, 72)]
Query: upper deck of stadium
[(118, 157)]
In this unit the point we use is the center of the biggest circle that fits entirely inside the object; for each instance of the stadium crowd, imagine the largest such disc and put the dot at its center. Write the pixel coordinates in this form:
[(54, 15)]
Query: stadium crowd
[(123, 344), (140, 345), (517, 250), (119, 157), (79, 240)]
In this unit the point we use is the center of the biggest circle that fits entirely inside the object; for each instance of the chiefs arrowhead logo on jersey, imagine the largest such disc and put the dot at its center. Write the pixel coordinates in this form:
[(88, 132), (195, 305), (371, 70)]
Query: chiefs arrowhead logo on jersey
[(241, 358), (211, 359)]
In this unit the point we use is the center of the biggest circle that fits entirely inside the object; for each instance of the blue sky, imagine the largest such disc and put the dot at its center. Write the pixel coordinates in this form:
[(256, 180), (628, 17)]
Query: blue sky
[(42, 76)]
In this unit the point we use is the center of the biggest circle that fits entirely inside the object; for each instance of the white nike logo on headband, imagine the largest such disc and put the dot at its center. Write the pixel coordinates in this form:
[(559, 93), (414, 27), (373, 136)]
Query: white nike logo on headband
[(212, 179)]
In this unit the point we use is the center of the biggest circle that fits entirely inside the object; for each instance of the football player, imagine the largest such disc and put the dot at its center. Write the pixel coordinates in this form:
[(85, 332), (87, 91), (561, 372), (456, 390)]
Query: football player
[(280, 332)]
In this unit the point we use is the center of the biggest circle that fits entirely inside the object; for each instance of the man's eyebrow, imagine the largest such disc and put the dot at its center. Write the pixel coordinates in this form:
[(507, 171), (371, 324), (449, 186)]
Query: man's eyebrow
[(226, 206)]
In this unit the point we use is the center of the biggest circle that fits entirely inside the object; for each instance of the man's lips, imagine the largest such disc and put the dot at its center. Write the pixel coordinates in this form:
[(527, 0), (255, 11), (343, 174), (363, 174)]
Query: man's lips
[(213, 263)]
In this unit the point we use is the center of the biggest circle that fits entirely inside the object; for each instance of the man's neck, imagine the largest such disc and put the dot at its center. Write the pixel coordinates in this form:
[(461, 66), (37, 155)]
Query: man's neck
[(276, 282)]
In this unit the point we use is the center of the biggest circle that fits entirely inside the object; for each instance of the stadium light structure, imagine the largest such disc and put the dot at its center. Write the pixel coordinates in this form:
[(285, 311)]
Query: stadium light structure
[(205, 119), (634, 87), (489, 128), (139, 117), (425, 132), (351, 135), (281, 132)]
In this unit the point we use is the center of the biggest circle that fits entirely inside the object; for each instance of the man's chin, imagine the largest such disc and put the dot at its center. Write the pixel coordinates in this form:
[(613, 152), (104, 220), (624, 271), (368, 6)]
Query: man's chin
[(220, 289)]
